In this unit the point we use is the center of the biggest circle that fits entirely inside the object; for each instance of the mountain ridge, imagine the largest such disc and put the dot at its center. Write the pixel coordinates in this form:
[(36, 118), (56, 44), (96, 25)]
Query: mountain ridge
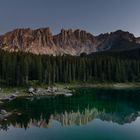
[(72, 42)]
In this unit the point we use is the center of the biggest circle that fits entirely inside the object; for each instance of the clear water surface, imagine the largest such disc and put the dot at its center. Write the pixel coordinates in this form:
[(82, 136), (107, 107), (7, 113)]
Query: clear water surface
[(90, 114)]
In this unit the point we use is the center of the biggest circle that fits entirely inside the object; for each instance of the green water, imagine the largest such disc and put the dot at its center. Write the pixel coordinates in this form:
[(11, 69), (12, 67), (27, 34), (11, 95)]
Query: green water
[(90, 114)]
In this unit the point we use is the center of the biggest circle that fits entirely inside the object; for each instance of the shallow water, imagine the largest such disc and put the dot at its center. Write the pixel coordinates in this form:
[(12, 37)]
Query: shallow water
[(99, 114)]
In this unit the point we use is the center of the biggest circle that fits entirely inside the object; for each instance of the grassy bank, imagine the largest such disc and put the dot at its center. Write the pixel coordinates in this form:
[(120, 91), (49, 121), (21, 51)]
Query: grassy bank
[(100, 85)]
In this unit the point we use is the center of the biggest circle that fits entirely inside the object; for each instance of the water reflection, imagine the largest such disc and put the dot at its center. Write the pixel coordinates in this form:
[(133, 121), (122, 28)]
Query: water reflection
[(119, 106)]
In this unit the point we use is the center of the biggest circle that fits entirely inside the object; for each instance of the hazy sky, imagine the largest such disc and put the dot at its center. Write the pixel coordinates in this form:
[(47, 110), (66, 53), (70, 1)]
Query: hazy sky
[(95, 16)]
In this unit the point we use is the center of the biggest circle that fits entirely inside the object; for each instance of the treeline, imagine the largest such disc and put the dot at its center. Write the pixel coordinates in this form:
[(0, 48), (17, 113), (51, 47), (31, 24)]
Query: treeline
[(21, 68)]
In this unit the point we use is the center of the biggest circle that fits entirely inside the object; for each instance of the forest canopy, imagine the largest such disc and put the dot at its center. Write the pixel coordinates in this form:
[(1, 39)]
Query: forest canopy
[(17, 69)]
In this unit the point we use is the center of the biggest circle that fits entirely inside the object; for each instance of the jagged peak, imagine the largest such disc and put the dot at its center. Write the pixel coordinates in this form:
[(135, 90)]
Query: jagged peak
[(47, 29), (121, 32), (79, 34), (68, 31), (117, 34), (68, 41)]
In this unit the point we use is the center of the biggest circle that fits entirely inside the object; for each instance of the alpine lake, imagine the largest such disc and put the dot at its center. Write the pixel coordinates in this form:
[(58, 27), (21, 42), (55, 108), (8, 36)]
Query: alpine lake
[(90, 114)]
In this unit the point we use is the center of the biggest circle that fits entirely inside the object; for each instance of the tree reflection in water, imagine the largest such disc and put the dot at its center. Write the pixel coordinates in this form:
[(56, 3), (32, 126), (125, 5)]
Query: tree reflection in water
[(87, 104)]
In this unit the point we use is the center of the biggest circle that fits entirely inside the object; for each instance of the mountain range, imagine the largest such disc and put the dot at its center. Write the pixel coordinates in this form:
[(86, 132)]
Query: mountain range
[(42, 41)]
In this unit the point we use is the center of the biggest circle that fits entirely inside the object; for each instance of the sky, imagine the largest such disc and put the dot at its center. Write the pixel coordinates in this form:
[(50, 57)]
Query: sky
[(94, 16)]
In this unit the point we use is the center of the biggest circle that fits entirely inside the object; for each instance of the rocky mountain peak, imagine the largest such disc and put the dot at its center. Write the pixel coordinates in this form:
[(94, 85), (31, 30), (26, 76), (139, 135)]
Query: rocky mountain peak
[(73, 42), (123, 35)]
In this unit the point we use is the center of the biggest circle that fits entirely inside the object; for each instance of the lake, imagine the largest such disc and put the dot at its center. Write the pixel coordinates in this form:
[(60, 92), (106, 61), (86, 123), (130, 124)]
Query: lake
[(90, 114)]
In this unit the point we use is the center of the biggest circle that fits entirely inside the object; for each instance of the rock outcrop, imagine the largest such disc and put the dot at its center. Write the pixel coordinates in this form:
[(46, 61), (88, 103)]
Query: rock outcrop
[(41, 41), (75, 42), (118, 40)]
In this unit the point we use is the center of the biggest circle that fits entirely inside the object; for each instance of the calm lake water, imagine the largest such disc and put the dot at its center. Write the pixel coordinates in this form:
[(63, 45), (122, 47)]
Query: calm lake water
[(90, 114)]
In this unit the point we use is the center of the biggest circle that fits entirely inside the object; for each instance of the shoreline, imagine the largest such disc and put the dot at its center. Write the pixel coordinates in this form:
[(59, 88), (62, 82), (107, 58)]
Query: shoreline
[(7, 92)]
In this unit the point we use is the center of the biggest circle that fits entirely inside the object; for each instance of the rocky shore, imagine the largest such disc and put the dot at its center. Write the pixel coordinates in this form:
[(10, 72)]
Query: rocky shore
[(33, 91), (9, 94)]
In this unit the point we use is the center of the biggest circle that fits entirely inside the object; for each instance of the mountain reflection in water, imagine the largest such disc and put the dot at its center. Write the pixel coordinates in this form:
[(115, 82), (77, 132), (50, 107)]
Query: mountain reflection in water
[(87, 104)]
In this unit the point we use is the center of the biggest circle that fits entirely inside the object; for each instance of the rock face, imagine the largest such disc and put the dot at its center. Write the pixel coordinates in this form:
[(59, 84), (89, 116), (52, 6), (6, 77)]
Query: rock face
[(38, 41), (75, 42), (115, 41), (41, 41)]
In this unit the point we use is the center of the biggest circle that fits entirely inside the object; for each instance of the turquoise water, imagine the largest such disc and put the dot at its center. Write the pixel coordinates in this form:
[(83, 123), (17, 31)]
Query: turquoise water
[(90, 114)]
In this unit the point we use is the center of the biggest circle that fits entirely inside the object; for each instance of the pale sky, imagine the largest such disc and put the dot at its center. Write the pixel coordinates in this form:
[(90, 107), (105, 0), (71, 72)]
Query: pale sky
[(94, 16)]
